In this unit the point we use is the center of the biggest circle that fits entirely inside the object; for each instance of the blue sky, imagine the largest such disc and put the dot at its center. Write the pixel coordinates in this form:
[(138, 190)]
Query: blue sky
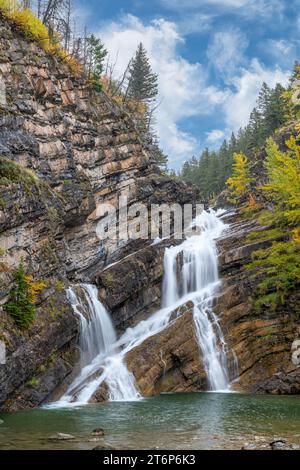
[(211, 57)]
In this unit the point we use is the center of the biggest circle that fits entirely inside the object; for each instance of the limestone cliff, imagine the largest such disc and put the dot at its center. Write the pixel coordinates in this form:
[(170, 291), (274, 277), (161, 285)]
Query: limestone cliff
[(81, 150)]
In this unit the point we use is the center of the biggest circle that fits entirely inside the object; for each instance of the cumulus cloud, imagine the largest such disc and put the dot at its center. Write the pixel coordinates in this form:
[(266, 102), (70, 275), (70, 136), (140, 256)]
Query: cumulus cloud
[(246, 86), (182, 85), (184, 89), (215, 135)]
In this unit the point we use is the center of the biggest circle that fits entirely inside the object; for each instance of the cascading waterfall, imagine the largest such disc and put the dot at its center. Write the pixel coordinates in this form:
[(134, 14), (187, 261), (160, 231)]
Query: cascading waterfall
[(190, 273), (99, 352), (199, 277)]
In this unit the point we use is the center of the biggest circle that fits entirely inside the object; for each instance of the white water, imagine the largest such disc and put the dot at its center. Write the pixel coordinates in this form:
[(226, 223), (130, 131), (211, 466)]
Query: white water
[(97, 334), (98, 352), (199, 276), (196, 280)]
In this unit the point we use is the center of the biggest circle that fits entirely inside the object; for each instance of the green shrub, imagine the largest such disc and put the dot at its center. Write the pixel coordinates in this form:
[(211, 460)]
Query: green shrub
[(263, 235), (20, 305), (280, 266), (11, 172), (23, 297), (32, 382)]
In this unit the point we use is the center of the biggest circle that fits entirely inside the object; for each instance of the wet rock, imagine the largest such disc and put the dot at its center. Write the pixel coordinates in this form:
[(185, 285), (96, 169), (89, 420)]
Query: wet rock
[(104, 447), (260, 341), (169, 361), (98, 432), (280, 384), (61, 437), (278, 444), (248, 446)]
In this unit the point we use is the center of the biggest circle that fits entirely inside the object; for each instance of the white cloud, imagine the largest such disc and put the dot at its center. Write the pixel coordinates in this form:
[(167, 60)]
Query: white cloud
[(196, 22), (246, 86), (184, 90), (182, 85), (226, 50), (285, 52), (215, 135)]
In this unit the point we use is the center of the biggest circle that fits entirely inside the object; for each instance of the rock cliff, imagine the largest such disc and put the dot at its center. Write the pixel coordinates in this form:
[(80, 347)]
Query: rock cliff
[(64, 149), (262, 340)]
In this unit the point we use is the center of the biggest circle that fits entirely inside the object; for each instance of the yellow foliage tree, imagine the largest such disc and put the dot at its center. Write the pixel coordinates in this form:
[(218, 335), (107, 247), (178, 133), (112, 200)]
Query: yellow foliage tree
[(34, 288), (240, 178), (283, 169)]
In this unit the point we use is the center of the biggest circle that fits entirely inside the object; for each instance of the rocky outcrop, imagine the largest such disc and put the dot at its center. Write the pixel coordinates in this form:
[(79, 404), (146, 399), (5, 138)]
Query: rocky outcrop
[(40, 358), (262, 341), (131, 288), (169, 361), (84, 150)]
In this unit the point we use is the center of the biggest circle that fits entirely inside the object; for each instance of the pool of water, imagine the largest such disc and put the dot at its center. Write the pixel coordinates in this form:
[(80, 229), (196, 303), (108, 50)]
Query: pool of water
[(179, 421)]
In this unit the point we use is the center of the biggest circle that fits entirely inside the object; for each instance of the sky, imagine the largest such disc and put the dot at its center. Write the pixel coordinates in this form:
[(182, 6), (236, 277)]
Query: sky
[(211, 57)]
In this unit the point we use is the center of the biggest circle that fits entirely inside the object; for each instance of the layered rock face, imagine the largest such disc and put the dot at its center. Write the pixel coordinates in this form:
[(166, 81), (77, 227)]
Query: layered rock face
[(262, 341), (43, 356), (81, 151), (85, 151)]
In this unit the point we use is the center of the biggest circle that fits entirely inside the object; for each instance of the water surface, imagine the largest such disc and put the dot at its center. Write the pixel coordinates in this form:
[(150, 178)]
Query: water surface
[(179, 421)]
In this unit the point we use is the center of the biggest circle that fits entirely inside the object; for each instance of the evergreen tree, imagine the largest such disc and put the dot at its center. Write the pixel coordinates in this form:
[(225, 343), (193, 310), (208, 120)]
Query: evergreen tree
[(159, 156), (212, 169), (96, 55), (142, 82), (274, 115)]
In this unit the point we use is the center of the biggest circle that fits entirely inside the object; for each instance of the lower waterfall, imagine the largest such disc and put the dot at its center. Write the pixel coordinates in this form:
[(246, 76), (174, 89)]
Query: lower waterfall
[(190, 274)]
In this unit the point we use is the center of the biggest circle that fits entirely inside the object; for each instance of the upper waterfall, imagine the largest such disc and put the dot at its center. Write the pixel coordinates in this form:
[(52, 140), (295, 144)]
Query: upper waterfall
[(192, 269)]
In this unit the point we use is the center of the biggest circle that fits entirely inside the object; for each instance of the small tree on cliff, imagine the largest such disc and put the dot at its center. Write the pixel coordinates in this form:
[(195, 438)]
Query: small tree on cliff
[(241, 176), (96, 54), (142, 82)]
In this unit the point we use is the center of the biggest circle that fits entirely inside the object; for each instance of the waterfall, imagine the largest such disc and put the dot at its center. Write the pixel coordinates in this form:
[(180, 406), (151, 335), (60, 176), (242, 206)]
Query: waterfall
[(199, 277), (99, 359), (97, 334), (190, 274)]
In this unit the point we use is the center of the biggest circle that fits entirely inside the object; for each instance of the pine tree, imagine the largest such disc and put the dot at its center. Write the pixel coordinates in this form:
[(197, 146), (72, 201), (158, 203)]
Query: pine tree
[(283, 170), (274, 116), (96, 54), (240, 178), (142, 82), (161, 159), (255, 129)]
